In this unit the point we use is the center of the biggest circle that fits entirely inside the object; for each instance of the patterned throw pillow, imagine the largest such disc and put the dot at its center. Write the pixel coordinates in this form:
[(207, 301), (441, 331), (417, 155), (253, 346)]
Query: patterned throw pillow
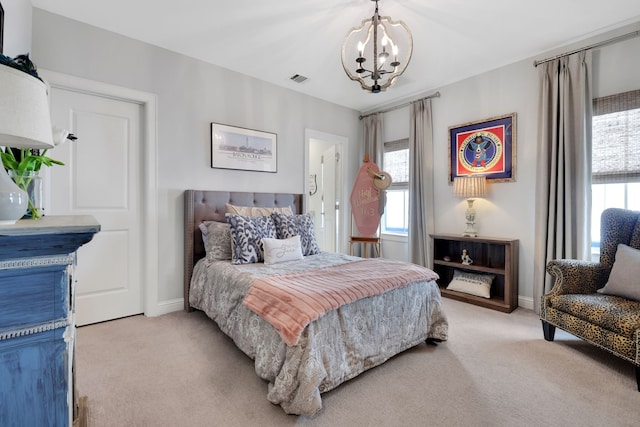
[(297, 225), (255, 210), (471, 283), (217, 239), (281, 250), (247, 233)]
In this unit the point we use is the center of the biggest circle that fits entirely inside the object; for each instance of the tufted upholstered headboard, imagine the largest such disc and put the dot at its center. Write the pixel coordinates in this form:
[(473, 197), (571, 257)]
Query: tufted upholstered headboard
[(210, 206)]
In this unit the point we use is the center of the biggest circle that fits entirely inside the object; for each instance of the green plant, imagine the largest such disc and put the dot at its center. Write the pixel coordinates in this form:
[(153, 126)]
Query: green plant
[(24, 165), (25, 159)]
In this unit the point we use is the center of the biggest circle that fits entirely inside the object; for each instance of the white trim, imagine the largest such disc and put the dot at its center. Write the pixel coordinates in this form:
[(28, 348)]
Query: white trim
[(345, 209), (525, 302), (169, 306), (394, 237), (149, 103)]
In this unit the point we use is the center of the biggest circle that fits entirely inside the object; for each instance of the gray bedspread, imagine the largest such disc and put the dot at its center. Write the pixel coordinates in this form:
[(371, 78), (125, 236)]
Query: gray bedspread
[(333, 349)]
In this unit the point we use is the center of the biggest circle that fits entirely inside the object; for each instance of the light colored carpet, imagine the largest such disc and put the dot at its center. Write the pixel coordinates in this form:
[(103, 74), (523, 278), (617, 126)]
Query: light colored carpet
[(495, 370)]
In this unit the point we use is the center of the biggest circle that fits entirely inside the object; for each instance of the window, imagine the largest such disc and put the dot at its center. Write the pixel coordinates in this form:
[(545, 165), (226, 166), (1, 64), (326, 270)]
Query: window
[(396, 163), (615, 158)]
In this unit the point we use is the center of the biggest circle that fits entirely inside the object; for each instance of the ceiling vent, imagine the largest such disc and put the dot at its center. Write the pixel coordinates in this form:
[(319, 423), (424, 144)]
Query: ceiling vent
[(298, 78)]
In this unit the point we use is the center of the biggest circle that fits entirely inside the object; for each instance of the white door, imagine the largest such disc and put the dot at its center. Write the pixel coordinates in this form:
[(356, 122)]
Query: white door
[(102, 177), (330, 199)]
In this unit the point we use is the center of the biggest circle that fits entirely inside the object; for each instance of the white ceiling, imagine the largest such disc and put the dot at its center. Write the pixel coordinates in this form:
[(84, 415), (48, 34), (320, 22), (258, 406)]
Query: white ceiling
[(273, 40)]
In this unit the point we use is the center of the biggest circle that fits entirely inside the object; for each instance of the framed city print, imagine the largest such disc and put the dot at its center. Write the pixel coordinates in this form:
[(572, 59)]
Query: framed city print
[(486, 147), (244, 149)]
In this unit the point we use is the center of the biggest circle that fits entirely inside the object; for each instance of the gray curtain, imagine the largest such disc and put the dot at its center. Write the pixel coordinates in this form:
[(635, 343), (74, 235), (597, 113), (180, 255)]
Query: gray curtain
[(563, 191), (373, 138), (421, 222)]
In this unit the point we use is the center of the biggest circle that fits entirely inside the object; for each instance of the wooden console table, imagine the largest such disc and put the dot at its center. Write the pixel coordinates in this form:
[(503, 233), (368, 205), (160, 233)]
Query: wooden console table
[(37, 319)]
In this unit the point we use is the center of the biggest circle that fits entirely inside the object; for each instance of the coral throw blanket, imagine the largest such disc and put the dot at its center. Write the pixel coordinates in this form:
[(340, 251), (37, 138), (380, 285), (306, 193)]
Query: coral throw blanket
[(290, 302)]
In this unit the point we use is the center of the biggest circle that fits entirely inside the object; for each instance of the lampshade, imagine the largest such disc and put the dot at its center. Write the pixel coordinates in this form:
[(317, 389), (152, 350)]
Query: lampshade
[(377, 52), (470, 186), (25, 121)]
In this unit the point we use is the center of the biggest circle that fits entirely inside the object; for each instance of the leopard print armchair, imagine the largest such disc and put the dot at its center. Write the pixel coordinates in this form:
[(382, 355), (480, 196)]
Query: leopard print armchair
[(609, 322)]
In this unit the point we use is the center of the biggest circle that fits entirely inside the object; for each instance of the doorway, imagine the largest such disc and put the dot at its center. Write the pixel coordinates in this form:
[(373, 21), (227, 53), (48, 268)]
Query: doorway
[(115, 275), (324, 189)]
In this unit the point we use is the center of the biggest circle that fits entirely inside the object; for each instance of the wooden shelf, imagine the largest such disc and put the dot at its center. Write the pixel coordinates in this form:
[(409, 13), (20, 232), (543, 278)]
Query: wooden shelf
[(490, 255)]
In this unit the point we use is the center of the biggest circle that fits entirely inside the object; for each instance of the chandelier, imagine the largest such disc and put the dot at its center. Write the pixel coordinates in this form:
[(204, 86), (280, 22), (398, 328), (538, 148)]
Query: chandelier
[(377, 52)]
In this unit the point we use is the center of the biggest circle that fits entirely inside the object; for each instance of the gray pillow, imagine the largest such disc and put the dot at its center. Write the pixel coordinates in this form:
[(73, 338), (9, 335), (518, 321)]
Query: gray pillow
[(624, 280), (217, 239)]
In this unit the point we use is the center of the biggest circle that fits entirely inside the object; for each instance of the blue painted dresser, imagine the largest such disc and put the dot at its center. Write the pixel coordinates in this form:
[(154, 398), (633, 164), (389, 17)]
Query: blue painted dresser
[(37, 320)]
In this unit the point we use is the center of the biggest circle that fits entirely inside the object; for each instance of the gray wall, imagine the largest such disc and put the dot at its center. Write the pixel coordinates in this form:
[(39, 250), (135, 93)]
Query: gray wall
[(17, 27), (191, 94), (508, 210)]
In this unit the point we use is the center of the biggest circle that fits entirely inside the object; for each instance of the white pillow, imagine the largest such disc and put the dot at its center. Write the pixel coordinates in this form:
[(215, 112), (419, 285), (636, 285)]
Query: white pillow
[(624, 280), (281, 250), (471, 283)]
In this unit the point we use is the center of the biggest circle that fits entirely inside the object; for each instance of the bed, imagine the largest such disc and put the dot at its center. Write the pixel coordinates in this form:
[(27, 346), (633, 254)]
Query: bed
[(333, 348)]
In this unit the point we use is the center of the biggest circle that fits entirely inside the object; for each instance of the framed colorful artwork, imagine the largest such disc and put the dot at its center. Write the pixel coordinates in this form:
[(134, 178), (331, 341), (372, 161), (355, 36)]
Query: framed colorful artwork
[(486, 147), (244, 149)]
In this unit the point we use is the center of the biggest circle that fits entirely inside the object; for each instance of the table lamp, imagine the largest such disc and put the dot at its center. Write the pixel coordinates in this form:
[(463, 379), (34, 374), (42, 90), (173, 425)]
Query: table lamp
[(469, 187), (25, 122)]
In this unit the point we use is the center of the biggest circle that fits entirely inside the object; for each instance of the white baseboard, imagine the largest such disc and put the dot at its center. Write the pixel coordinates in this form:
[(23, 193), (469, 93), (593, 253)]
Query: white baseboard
[(525, 302), (166, 307)]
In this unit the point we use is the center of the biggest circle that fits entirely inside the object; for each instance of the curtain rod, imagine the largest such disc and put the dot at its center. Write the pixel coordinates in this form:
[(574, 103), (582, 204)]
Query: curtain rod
[(602, 43), (435, 95)]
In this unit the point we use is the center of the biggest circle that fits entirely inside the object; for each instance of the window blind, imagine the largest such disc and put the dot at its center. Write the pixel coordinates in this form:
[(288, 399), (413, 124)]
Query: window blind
[(396, 162), (616, 138)]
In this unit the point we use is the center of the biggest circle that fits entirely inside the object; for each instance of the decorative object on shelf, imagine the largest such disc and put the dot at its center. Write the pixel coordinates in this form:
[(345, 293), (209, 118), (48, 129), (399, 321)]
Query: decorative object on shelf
[(469, 187), (24, 123), (477, 284), (386, 43), (244, 149), (486, 147), (466, 259)]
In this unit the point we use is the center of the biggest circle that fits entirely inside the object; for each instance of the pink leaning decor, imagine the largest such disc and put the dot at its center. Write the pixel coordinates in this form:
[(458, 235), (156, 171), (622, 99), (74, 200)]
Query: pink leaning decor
[(365, 200)]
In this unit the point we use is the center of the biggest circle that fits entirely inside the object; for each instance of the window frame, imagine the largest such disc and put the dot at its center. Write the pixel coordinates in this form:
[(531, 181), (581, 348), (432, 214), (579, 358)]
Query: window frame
[(391, 146), (616, 103)]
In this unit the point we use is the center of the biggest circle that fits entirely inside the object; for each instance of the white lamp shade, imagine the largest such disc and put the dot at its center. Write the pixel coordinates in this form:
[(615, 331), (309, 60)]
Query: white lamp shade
[(470, 186), (25, 121)]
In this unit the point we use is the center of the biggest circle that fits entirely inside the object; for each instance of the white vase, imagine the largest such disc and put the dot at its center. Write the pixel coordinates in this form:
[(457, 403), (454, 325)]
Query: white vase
[(13, 200)]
